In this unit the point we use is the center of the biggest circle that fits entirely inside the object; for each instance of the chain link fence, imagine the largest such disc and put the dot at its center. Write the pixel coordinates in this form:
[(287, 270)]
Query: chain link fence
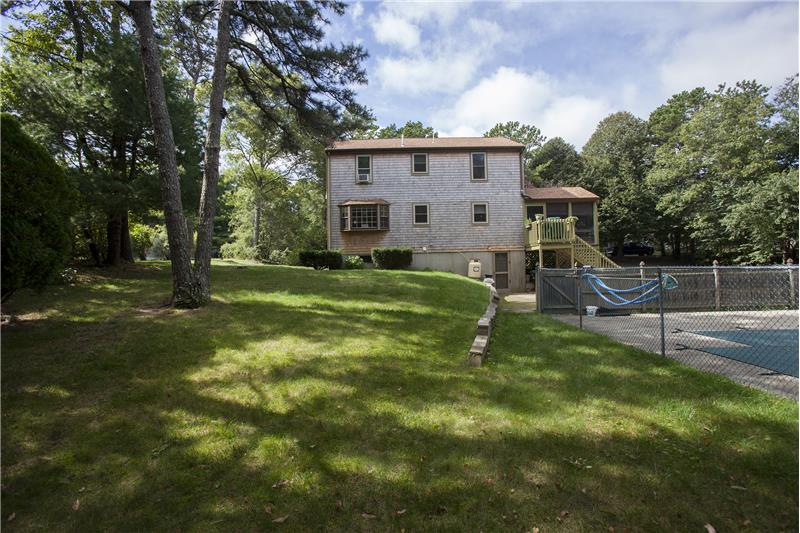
[(740, 322)]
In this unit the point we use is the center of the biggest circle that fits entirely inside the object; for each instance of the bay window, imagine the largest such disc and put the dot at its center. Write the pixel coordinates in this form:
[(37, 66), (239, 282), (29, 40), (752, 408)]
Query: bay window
[(364, 216)]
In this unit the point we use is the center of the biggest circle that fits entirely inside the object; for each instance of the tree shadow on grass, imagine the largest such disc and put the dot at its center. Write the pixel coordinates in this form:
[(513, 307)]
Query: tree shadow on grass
[(253, 409)]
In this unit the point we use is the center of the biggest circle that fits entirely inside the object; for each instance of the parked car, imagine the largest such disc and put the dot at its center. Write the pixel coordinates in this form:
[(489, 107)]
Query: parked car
[(630, 248)]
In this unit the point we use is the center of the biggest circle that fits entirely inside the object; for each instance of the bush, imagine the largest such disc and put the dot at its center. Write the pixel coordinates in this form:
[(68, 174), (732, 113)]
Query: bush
[(141, 239), (38, 202), (319, 259), (278, 257), (392, 258), (353, 262)]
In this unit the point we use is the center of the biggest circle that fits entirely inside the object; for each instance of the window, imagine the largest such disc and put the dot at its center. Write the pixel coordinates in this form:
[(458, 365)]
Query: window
[(584, 227), (478, 172), (419, 163), (421, 214), (557, 209), (532, 210), (363, 169), (480, 213), (384, 216), (362, 217)]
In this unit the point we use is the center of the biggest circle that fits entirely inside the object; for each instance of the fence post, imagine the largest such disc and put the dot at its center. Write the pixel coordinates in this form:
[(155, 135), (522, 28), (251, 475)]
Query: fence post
[(641, 276), (716, 285), (578, 282), (539, 287), (661, 311), (792, 286)]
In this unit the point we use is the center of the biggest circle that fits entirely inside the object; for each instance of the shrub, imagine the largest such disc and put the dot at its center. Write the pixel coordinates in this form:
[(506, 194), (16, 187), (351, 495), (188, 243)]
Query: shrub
[(141, 239), (38, 202), (319, 259), (392, 258), (353, 262), (278, 257)]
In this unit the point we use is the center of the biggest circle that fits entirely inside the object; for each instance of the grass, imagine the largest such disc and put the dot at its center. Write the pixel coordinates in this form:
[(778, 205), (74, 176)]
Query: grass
[(303, 400)]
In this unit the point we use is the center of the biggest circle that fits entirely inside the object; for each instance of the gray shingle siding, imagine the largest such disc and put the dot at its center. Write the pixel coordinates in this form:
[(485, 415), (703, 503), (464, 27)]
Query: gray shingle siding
[(446, 188)]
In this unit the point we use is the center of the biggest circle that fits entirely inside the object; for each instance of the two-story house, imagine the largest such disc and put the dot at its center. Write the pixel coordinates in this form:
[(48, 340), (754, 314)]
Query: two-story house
[(451, 200)]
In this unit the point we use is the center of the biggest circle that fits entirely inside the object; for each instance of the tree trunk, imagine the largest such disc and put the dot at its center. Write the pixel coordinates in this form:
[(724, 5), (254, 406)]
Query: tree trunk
[(118, 239), (87, 233), (186, 291), (620, 251), (257, 224), (208, 194), (113, 241), (125, 247), (676, 247)]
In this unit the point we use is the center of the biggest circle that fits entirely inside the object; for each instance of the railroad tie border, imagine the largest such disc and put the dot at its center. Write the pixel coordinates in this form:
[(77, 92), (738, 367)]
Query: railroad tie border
[(479, 350)]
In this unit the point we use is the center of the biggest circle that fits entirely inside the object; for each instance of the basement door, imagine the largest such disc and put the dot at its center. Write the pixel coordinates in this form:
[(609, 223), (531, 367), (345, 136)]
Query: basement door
[(501, 270)]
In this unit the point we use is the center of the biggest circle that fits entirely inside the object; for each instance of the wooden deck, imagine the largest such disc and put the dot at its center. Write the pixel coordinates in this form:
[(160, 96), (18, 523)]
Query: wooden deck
[(558, 234)]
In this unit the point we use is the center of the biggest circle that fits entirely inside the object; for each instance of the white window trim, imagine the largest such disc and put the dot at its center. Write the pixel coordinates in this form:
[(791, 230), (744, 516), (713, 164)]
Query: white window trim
[(414, 215), (485, 167), (427, 164), (378, 208), (472, 213), (370, 169)]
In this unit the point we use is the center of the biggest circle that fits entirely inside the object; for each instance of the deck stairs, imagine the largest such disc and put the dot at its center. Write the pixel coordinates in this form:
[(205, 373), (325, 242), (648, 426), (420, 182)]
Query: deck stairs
[(559, 236)]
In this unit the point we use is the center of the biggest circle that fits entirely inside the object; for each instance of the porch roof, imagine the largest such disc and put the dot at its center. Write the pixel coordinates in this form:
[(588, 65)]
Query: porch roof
[(559, 193), (373, 201)]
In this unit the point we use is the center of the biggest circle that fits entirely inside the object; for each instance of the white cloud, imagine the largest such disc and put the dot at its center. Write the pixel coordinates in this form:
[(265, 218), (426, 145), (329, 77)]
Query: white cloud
[(532, 98), (356, 10), (392, 29), (437, 11), (419, 74), (437, 57), (761, 46)]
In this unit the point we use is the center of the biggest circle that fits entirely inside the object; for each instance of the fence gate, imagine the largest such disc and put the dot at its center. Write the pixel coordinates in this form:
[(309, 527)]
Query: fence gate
[(556, 289)]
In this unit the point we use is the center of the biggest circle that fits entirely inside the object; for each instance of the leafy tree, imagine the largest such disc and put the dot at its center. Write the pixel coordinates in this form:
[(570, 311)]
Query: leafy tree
[(719, 158), (765, 219), (555, 163), (38, 200), (185, 26), (411, 130), (528, 135), (284, 67), (665, 124), (784, 132), (617, 157), (72, 72)]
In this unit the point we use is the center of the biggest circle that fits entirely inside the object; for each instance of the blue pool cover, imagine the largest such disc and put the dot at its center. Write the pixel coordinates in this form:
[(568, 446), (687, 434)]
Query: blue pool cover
[(773, 349)]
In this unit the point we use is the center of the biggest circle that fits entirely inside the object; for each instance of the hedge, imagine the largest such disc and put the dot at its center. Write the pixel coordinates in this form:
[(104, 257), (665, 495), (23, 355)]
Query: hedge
[(38, 201), (392, 258), (320, 259)]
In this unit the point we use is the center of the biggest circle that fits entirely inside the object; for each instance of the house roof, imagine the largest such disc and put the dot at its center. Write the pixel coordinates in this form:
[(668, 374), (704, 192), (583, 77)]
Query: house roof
[(559, 193), (429, 143)]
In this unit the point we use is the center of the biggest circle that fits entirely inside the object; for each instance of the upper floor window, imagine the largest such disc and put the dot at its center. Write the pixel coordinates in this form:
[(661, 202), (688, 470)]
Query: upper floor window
[(361, 217), (421, 215), (419, 163), (363, 169), (480, 213), (478, 166)]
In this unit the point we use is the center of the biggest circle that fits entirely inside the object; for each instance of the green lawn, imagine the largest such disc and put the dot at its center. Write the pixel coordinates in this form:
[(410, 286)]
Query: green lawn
[(302, 400)]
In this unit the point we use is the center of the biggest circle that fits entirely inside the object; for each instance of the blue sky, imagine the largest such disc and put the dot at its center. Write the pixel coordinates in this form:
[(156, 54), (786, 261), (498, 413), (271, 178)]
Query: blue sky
[(464, 66)]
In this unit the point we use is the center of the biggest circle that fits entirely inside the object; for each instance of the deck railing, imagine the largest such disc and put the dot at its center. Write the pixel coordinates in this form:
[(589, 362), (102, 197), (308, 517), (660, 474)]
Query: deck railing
[(551, 230)]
